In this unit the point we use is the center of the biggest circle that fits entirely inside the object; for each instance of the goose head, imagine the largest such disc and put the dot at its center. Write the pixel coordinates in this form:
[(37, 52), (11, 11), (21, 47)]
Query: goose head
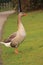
[(22, 14)]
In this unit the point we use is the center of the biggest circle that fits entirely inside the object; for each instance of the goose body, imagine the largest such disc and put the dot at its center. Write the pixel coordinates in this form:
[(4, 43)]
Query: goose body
[(16, 38), (20, 36)]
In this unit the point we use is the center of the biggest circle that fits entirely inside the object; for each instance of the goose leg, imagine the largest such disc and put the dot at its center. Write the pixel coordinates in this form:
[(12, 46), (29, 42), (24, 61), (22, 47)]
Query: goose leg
[(16, 50)]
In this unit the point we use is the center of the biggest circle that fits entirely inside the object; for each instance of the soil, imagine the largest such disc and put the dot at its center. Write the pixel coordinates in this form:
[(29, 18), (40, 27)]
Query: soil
[(3, 18)]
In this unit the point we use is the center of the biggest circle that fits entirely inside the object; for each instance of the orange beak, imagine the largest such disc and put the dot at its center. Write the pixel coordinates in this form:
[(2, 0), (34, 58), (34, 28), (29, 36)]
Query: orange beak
[(25, 14)]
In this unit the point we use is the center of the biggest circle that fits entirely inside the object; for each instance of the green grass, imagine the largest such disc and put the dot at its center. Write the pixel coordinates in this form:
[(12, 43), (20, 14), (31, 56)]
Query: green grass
[(32, 47)]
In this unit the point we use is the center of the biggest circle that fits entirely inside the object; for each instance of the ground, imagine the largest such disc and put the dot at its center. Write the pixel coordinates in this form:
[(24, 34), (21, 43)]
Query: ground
[(32, 47), (3, 17)]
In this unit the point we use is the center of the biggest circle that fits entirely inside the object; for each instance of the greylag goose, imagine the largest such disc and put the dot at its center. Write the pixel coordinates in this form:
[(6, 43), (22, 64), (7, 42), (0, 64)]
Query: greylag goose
[(17, 37)]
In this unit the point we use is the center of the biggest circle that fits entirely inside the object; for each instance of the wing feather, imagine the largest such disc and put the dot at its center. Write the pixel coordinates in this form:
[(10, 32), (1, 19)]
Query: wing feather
[(10, 37)]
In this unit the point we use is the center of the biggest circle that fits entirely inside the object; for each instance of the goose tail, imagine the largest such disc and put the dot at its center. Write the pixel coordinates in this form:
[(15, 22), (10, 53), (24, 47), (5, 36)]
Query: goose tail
[(6, 44)]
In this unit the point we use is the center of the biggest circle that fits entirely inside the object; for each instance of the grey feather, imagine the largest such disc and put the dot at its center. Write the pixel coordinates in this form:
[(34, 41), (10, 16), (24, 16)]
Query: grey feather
[(10, 37)]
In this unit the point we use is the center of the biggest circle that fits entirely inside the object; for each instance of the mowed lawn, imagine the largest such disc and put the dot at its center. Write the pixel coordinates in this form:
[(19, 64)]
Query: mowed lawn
[(32, 47)]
